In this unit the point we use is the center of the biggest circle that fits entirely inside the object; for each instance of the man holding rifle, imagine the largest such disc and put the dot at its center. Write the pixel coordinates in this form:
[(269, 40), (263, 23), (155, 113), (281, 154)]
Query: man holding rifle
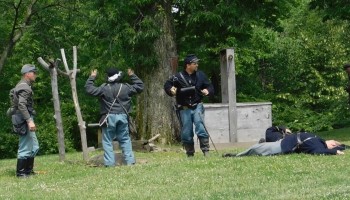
[(189, 87)]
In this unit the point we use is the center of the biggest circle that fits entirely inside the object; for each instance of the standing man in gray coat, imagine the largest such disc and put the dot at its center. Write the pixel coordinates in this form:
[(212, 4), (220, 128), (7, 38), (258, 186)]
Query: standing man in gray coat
[(22, 114), (115, 103)]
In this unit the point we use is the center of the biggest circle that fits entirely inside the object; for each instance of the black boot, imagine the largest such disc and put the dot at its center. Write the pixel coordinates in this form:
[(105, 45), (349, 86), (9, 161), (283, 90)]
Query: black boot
[(29, 166), (204, 145), (21, 167), (189, 149), (229, 155)]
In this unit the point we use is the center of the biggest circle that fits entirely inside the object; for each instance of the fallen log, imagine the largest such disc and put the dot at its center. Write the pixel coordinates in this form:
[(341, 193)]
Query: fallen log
[(145, 146)]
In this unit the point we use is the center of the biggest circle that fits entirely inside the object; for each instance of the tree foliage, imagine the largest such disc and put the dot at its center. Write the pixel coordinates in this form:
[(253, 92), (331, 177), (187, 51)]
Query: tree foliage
[(314, 68), (333, 9)]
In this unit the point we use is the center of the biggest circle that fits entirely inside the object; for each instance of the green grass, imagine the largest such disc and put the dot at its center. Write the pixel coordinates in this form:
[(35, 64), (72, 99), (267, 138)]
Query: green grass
[(170, 175)]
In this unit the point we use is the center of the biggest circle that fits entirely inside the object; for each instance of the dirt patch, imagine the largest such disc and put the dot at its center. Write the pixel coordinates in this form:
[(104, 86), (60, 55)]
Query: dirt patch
[(97, 160)]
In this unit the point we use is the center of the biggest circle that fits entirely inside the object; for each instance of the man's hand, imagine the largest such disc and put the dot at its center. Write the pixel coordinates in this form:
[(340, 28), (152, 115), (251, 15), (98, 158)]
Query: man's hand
[(173, 90), (93, 73), (205, 92), (339, 152), (130, 72), (31, 126)]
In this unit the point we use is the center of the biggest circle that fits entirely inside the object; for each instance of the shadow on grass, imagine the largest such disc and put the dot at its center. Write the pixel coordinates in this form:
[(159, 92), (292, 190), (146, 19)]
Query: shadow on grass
[(98, 161)]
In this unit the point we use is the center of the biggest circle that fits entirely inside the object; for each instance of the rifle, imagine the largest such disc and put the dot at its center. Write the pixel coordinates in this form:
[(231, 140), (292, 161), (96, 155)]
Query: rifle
[(175, 105), (205, 128), (177, 112)]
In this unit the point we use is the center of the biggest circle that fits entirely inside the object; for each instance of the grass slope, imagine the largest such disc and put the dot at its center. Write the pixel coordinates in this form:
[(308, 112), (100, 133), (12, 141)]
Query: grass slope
[(170, 175)]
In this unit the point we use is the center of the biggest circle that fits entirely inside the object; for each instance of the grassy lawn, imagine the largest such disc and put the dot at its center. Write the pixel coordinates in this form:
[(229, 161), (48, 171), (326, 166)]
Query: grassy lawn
[(170, 175)]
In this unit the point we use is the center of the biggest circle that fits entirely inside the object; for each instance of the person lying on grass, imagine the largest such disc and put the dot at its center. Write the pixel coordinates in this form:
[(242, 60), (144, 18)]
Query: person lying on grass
[(302, 142), (274, 133)]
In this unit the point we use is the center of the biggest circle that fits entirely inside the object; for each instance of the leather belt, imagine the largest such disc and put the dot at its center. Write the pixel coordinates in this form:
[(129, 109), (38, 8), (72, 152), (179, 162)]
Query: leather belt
[(192, 106)]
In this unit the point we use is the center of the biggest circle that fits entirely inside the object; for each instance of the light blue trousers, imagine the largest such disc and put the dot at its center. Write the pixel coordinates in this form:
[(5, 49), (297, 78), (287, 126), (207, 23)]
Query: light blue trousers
[(263, 149), (28, 145), (189, 118), (117, 129)]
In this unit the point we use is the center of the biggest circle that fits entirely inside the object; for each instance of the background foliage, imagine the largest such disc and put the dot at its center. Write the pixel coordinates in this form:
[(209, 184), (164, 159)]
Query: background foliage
[(288, 52)]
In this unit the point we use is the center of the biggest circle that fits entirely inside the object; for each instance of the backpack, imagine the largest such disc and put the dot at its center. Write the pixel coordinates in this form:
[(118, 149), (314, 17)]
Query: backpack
[(275, 133)]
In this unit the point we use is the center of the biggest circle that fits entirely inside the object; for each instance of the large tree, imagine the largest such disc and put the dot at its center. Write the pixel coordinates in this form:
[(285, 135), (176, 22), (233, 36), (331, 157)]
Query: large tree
[(140, 35), (156, 108)]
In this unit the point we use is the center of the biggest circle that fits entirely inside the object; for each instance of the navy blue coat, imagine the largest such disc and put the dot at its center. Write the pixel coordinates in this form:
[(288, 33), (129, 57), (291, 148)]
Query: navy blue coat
[(315, 145), (272, 134), (197, 79)]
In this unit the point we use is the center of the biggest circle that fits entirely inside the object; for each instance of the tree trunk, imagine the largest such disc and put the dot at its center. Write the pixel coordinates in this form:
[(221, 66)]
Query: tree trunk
[(81, 122), (4, 54), (58, 117), (72, 79), (57, 107), (155, 108), (17, 31)]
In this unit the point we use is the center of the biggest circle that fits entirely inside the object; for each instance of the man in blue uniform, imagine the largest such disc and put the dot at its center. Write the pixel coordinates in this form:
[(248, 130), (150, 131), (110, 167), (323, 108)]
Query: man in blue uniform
[(189, 87)]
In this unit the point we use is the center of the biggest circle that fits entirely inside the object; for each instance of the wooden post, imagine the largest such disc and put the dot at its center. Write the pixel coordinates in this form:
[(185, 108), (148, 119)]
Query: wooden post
[(81, 122), (228, 89), (56, 103), (224, 76)]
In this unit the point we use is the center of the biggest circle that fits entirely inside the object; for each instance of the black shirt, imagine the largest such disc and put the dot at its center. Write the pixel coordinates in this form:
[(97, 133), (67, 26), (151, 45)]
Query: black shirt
[(197, 79)]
